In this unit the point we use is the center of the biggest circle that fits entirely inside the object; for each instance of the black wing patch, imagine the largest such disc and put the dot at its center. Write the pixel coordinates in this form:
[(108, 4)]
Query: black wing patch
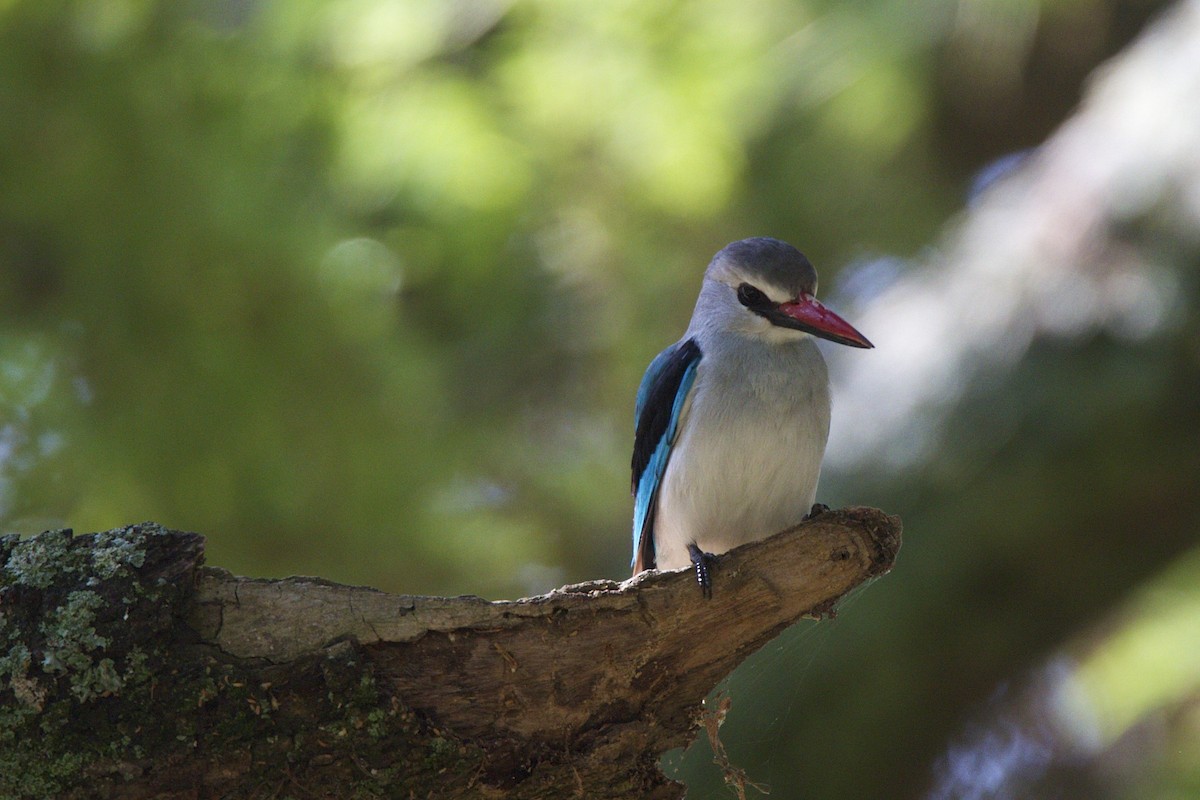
[(655, 416)]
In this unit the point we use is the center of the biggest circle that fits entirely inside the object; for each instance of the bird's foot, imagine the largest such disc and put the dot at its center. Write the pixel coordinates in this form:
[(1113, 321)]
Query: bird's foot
[(702, 561), (817, 510)]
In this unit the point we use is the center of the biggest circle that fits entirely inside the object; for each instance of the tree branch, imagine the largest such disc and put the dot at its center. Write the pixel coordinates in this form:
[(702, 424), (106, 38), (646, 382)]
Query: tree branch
[(246, 686)]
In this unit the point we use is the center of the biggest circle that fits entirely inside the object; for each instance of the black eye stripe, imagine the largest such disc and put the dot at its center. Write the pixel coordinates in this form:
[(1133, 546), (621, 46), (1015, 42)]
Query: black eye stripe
[(752, 298)]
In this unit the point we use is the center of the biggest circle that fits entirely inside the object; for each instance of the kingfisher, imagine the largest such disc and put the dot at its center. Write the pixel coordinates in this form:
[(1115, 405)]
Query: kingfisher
[(731, 421)]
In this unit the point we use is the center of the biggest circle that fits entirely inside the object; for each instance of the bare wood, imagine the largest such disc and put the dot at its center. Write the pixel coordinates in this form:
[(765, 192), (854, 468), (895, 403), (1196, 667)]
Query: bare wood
[(547, 664)]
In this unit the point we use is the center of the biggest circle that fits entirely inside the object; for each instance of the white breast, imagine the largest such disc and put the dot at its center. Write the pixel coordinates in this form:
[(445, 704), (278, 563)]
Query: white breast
[(748, 456)]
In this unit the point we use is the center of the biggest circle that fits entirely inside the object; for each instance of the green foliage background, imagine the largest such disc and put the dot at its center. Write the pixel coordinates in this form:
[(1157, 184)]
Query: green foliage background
[(364, 288)]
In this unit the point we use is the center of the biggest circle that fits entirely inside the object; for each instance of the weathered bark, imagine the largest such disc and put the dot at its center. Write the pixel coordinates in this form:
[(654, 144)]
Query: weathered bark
[(134, 672)]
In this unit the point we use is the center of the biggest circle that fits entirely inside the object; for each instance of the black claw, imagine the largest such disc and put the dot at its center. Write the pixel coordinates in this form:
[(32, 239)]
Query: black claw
[(817, 510), (702, 561)]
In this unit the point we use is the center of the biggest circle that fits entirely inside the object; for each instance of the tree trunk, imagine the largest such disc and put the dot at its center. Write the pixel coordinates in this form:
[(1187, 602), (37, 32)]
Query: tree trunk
[(132, 671)]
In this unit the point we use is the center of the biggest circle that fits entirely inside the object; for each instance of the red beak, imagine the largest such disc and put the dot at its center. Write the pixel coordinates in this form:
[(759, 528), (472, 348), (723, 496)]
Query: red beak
[(814, 318)]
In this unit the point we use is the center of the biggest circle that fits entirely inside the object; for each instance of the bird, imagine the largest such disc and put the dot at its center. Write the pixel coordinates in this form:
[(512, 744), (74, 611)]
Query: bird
[(732, 420)]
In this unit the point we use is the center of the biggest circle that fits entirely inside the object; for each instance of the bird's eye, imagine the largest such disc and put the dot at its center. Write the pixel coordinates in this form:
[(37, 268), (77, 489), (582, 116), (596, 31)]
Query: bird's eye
[(751, 297)]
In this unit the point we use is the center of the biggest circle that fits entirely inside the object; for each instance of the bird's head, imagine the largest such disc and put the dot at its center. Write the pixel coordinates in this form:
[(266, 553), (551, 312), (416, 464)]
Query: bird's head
[(767, 287)]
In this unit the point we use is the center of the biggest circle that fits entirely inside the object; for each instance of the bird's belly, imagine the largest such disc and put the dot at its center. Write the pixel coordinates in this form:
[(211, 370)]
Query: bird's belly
[(755, 477)]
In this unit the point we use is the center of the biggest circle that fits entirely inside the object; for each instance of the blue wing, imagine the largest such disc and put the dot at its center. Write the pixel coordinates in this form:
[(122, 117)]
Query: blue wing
[(660, 400)]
